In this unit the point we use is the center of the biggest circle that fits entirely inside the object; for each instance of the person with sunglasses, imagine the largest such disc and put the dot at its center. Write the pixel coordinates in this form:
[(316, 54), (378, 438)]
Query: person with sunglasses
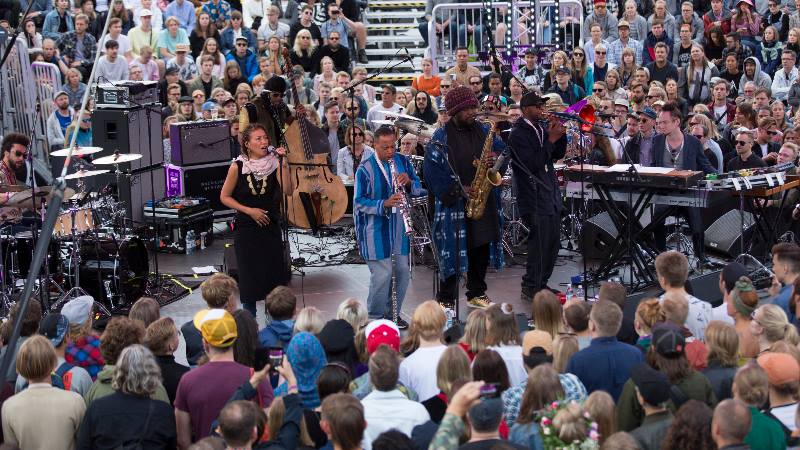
[(269, 109), (745, 158), (12, 168), (765, 145)]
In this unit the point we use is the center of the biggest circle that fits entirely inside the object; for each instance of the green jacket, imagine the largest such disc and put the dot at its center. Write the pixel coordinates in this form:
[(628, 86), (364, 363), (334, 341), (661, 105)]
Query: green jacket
[(102, 387), (765, 433), (630, 413)]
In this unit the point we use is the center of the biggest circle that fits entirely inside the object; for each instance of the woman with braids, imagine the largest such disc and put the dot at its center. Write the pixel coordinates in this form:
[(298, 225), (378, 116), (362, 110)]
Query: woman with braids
[(253, 190)]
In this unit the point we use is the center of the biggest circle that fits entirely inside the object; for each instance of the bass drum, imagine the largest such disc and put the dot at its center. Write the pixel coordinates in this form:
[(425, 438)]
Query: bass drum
[(114, 271)]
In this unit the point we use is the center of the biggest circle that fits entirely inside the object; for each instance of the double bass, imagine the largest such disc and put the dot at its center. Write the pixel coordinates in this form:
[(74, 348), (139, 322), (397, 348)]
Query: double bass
[(319, 196)]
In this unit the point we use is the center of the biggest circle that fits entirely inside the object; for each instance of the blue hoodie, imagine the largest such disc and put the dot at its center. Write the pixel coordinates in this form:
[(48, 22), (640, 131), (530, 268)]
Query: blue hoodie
[(277, 333)]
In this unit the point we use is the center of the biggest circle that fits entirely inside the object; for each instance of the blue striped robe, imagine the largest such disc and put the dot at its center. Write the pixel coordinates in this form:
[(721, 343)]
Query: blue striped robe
[(373, 222)]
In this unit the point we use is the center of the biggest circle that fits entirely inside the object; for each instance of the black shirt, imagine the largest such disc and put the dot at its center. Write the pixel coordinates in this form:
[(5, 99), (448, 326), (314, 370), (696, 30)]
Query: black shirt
[(662, 74), (750, 163), (684, 55)]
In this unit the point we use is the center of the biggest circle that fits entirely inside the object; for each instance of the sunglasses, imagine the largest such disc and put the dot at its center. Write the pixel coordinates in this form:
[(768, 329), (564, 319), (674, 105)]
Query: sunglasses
[(275, 94), (598, 90), (698, 136), (352, 109), (304, 37), (444, 85), (333, 38), (199, 96), (358, 133), (599, 53), (475, 83), (335, 13), (742, 142), (21, 154), (239, 45), (772, 132), (577, 54), (87, 120)]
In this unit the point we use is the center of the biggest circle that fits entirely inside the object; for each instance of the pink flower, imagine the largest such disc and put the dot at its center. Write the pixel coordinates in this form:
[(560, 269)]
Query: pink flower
[(545, 421), (594, 435)]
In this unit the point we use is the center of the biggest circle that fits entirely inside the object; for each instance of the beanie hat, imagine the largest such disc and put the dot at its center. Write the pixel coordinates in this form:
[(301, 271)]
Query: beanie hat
[(382, 332), (459, 99)]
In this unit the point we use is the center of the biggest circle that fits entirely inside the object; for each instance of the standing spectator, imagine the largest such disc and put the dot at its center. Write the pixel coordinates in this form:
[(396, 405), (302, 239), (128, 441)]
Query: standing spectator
[(652, 392), (730, 424), (220, 12), (78, 48), (58, 121), (30, 324), (387, 105), (723, 352), (143, 35), (783, 373), (58, 21), (418, 370), (607, 21), (232, 34), (219, 291), (786, 266), (386, 407), (187, 69), (203, 392), (162, 338), (83, 349), (183, 11), (170, 37), (691, 427), (342, 420), (672, 269), (41, 416), (606, 363), (130, 415), (751, 388)]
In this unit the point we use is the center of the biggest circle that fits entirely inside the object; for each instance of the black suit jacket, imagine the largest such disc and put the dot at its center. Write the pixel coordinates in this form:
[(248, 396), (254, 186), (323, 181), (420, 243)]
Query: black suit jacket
[(694, 158)]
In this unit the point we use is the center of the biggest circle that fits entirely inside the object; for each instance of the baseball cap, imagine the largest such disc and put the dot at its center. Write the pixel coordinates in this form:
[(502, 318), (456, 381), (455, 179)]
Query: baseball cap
[(77, 310), (649, 112), (532, 99), (623, 23), (731, 274), (537, 338), (241, 38), (781, 368), (185, 99), (668, 339), (217, 327), (622, 102), (563, 69), (652, 385), (171, 70), (487, 414), (208, 106), (54, 327), (60, 93), (145, 12), (382, 332), (659, 103)]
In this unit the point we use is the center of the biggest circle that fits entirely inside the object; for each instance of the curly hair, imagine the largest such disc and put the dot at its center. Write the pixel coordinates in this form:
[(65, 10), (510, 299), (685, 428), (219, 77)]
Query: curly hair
[(120, 332), (136, 372), (691, 427), (31, 317)]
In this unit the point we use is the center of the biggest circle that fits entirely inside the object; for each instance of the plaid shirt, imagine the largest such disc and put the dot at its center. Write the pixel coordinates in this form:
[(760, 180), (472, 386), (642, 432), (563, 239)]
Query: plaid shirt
[(85, 352), (512, 397), (615, 51), (68, 45)]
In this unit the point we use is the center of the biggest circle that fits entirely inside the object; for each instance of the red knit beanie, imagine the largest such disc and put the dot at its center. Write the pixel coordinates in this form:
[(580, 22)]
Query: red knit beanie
[(459, 99)]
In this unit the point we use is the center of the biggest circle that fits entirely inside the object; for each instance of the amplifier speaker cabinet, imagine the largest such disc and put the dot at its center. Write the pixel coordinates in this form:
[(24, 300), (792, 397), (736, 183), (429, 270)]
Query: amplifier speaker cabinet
[(598, 235), (726, 233), (128, 131), (200, 142), (203, 180)]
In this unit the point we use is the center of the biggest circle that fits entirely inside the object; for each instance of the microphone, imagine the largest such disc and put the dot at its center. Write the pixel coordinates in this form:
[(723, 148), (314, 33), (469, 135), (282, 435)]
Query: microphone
[(271, 149), (497, 164), (408, 57)]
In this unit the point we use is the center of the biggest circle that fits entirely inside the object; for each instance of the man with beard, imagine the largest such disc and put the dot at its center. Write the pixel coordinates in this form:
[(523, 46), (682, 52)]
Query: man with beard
[(538, 193), (637, 96), (754, 73), (59, 120), (15, 151), (270, 110), (334, 50), (721, 109), (464, 245)]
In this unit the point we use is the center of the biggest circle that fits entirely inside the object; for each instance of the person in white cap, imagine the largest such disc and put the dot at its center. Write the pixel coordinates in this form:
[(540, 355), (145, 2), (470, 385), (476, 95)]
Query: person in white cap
[(156, 16), (59, 120), (143, 34)]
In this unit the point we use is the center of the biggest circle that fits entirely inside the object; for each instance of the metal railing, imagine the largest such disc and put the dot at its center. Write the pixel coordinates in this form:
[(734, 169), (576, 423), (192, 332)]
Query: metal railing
[(465, 24)]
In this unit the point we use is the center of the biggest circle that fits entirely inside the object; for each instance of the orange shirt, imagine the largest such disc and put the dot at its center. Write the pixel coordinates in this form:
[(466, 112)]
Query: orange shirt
[(431, 86)]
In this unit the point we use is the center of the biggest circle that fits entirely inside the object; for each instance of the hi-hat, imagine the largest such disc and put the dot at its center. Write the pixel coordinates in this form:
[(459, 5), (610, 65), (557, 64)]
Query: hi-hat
[(85, 174), (117, 158), (22, 198), (415, 127), (401, 116), (78, 151), (383, 122)]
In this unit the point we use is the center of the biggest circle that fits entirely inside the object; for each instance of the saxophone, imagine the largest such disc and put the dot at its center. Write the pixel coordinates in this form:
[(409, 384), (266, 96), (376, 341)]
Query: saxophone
[(484, 180)]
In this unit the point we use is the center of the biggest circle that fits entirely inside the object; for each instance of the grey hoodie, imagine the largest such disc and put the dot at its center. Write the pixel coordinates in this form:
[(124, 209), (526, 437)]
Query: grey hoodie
[(761, 78)]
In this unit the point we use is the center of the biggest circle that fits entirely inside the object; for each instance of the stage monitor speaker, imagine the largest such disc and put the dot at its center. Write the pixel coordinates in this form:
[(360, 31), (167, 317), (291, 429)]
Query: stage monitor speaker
[(229, 262), (200, 142), (598, 235), (132, 130), (204, 180), (726, 233), (706, 287)]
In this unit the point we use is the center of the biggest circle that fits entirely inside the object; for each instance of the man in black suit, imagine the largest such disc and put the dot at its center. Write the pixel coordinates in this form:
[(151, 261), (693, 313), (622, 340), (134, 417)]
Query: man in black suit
[(674, 149)]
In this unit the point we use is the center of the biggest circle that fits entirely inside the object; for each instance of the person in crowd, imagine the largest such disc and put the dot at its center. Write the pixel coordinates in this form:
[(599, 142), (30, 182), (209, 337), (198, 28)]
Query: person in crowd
[(219, 291), (354, 151), (581, 69), (171, 36), (543, 388), (305, 23), (344, 431), (58, 120), (652, 392), (130, 415), (718, 16), (625, 40), (745, 157), (57, 22), (681, 49), (688, 16), (309, 319), (606, 363), (654, 37), (648, 313), (660, 12), (83, 349), (723, 353), (576, 317), (41, 416), (198, 402), (672, 269), (187, 69), (335, 51), (307, 358), (143, 35), (547, 313), (569, 92), (184, 12), (601, 16), (751, 389), (786, 268), (231, 35), (387, 105), (462, 71), (246, 61), (273, 27), (730, 424), (162, 337), (281, 306), (503, 337), (661, 68), (783, 373), (206, 82), (769, 325), (78, 48), (418, 370), (30, 317), (691, 427)]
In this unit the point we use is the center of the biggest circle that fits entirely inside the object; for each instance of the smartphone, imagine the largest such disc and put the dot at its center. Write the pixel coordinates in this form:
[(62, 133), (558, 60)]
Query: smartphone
[(275, 357), (489, 390), (261, 358)]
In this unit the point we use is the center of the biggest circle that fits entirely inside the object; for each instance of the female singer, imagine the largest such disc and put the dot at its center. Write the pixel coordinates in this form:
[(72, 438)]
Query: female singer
[(252, 189)]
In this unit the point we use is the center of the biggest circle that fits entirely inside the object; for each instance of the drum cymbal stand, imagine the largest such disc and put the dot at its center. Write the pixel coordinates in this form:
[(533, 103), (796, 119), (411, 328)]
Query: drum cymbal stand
[(5, 299)]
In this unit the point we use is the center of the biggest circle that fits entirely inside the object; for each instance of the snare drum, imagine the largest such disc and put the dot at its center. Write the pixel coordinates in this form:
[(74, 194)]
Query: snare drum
[(560, 178), (83, 222)]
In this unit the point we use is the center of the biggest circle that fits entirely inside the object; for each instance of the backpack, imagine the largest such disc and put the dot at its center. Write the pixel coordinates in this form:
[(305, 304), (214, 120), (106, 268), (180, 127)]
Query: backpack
[(61, 378)]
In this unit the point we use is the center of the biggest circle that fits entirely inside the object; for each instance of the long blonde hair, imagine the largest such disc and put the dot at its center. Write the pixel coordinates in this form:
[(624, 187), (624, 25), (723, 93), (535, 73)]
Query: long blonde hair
[(312, 45)]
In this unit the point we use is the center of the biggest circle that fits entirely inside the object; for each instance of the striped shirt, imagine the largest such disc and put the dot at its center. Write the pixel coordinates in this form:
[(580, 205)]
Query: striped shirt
[(376, 226)]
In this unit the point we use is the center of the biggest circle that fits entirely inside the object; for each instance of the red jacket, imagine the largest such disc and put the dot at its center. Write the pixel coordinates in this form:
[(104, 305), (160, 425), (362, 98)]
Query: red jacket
[(731, 111)]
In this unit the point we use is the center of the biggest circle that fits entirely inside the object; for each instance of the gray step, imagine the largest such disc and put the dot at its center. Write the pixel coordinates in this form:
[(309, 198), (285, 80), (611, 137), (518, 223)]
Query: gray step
[(412, 50), (391, 26), (414, 38), (373, 16)]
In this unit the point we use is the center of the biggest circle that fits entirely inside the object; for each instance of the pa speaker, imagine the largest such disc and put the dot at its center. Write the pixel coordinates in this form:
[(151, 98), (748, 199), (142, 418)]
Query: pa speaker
[(706, 287), (727, 233), (598, 236)]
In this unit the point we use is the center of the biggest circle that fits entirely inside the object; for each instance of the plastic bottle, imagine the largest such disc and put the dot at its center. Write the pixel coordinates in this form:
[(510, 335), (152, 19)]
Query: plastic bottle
[(570, 293), (190, 242), (579, 292)]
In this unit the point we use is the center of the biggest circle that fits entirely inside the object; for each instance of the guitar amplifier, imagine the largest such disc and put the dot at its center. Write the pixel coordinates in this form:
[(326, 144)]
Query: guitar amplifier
[(126, 94), (204, 180), (202, 142)]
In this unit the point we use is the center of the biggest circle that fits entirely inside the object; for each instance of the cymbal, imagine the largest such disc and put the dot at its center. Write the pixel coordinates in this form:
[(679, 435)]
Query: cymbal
[(117, 158), (78, 151), (399, 116), (415, 127), (23, 198), (85, 174), (384, 122), (13, 188)]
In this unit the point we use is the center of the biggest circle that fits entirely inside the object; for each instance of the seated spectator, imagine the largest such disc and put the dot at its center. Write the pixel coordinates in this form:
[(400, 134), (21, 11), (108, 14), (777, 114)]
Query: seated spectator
[(605, 364), (672, 269), (163, 338), (115, 34), (130, 415), (453, 367), (427, 81), (219, 291), (386, 407), (237, 31), (723, 352), (272, 26), (307, 357), (652, 392), (751, 388), (30, 324), (354, 312), (58, 20), (171, 36), (333, 379), (74, 87), (304, 52), (474, 338), (730, 425), (219, 11), (55, 327), (183, 61), (41, 416), (83, 349), (564, 346), (741, 300), (503, 337), (120, 333), (281, 306), (424, 343), (547, 313), (783, 373), (111, 67), (247, 63), (305, 23), (335, 51), (203, 392)]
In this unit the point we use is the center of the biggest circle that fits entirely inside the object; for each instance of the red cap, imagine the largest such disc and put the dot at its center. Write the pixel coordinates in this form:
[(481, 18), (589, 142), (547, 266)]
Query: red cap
[(382, 332)]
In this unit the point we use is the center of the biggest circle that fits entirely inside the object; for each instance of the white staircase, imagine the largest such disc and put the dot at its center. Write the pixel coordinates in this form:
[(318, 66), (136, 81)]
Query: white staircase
[(392, 26)]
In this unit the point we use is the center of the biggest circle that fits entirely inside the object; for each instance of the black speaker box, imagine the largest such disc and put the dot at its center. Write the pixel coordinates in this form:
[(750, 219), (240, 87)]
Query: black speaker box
[(725, 235), (201, 142), (131, 131), (706, 287), (598, 236), (229, 262)]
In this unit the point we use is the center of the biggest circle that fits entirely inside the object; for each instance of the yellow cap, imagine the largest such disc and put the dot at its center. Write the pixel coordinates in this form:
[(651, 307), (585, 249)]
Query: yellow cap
[(217, 327)]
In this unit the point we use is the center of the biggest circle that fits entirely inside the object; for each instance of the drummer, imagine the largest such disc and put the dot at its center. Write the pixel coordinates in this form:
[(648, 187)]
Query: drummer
[(12, 171)]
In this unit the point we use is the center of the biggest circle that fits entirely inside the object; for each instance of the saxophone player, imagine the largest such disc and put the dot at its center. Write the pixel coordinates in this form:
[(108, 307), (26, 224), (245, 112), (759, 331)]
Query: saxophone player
[(463, 245), (539, 197), (380, 226)]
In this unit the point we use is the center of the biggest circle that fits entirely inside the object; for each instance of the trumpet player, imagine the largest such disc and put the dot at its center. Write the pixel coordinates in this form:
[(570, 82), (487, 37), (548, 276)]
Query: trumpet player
[(452, 159), (536, 147), (382, 183)]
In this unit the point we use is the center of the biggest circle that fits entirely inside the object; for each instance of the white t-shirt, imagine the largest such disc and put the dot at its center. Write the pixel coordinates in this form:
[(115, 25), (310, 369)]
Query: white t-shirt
[(722, 113), (512, 356), (721, 313), (122, 40), (786, 415), (699, 316), (378, 112), (418, 371)]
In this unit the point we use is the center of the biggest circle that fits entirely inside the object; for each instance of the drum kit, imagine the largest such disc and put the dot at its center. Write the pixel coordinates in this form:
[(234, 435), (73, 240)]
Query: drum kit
[(92, 251)]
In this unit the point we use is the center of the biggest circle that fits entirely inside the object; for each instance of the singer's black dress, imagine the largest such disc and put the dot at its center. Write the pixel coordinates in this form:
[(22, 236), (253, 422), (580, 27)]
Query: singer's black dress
[(259, 250)]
